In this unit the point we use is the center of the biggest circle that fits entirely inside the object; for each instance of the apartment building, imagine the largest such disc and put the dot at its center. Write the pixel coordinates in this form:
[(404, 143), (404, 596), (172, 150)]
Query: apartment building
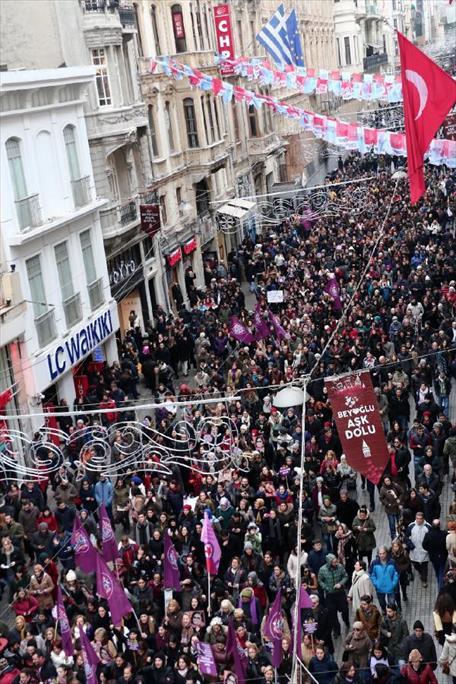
[(57, 313)]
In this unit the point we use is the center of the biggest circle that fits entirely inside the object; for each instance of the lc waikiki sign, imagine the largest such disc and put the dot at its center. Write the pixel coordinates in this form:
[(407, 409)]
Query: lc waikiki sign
[(79, 344)]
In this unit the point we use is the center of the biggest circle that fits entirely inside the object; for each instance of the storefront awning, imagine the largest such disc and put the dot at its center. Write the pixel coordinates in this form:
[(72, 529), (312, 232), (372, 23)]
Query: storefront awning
[(239, 208)]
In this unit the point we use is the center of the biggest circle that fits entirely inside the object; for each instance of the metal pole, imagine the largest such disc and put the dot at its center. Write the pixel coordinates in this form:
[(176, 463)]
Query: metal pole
[(296, 615)]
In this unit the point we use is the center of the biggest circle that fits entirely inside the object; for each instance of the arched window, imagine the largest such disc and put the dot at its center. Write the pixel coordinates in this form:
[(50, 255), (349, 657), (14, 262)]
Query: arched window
[(179, 28), (169, 126), (190, 122), (153, 15), (71, 151), (14, 156)]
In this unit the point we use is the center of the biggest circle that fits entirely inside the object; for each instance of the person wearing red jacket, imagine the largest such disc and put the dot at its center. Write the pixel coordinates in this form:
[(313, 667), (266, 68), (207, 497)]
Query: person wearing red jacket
[(25, 604)]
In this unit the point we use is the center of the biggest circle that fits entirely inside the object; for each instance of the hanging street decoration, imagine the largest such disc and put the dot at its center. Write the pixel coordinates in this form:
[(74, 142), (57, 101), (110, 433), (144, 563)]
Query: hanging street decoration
[(344, 84), (349, 136)]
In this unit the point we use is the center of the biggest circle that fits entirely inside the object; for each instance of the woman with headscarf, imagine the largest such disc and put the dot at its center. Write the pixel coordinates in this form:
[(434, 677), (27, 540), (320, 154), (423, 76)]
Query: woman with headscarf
[(417, 672)]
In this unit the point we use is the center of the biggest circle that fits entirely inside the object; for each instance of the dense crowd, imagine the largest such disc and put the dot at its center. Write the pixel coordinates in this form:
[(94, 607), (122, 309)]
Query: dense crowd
[(401, 327)]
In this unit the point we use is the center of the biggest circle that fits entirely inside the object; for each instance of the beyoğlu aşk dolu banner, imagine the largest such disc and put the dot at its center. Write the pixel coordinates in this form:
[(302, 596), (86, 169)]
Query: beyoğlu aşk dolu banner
[(359, 425)]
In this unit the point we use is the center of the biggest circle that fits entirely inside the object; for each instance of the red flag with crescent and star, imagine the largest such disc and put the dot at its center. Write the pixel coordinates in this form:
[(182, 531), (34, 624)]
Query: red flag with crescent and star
[(429, 93)]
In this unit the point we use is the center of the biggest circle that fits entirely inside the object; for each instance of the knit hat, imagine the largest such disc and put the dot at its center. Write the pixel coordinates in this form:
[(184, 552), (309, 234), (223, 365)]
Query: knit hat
[(248, 545), (358, 625), (70, 576), (247, 593), (224, 502), (418, 625), (414, 654), (330, 557)]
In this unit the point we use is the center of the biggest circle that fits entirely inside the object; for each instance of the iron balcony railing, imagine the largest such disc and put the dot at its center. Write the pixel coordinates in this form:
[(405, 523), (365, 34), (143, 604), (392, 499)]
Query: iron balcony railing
[(81, 191), (96, 296), (45, 328), (73, 310), (29, 212)]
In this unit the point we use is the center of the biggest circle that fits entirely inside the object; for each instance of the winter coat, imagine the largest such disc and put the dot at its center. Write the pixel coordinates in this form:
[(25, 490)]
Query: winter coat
[(361, 585), (399, 631), (364, 533), (425, 646), (328, 577), (323, 670), (384, 576), (424, 675), (42, 591), (328, 527), (371, 620), (391, 498), (448, 654), (416, 534), (361, 646)]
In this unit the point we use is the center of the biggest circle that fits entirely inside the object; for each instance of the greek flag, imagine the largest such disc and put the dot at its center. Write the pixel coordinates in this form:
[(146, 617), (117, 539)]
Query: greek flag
[(280, 37)]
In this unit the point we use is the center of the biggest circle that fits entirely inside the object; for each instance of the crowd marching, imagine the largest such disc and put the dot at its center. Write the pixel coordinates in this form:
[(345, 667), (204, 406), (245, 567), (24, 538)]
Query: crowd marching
[(78, 608)]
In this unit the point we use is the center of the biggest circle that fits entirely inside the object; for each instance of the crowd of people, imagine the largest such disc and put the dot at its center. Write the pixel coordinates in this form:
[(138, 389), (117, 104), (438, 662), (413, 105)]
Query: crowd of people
[(401, 326)]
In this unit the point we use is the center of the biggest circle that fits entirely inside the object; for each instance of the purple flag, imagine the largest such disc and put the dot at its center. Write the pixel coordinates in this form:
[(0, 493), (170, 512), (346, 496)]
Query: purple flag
[(206, 661), (89, 657), (273, 629), (240, 332), (110, 589), (280, 332), (239, 657), (212, 549), (65, 629), (108, 539), (171, 569), (304, 602), (261, 326), (85, 553), (332, 288)]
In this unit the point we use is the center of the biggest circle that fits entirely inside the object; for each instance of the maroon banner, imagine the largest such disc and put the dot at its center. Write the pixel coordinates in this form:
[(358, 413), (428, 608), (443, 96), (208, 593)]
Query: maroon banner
[(178, 23), (359, 425), (224, 37), (150, 218), (190, 246)]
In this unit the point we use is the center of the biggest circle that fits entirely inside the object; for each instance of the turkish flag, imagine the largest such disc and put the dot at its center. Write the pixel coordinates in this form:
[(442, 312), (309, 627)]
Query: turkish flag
[(429, 93)]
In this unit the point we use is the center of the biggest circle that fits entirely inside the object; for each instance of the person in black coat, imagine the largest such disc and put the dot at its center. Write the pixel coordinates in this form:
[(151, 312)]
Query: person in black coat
[(324, 623), (435, 544), (346, 508)]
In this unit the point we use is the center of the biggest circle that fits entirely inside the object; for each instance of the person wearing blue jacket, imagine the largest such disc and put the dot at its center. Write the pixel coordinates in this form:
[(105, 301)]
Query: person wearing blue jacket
[(104, 492), (384, 577), (322, 666)]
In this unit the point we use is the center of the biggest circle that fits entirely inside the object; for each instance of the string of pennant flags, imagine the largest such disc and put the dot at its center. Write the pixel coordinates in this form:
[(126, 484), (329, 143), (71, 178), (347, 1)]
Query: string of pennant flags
[(349, 136), (348, 86)]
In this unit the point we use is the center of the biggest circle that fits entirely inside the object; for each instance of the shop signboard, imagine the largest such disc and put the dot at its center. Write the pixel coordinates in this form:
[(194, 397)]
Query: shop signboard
[(150, 218), (178, 24), (189, 246), (174, 257), (224, 37)]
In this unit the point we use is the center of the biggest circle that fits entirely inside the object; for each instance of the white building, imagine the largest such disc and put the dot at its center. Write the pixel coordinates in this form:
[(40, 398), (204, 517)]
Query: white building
[(51, 238)]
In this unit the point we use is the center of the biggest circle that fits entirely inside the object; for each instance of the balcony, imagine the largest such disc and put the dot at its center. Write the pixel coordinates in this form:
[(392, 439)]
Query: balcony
[(12, 307), (45, 328), (264, 145), (29, 212), (374, 61), (81, 191), (73, 310), (128, 212), (96, 296), (127, 17)]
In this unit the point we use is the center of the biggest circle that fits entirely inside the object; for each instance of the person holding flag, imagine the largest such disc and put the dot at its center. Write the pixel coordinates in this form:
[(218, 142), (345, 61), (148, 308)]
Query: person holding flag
[(212, 552)]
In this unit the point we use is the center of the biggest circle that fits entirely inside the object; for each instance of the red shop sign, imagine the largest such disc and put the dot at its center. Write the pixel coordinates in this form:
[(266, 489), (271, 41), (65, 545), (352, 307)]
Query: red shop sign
[(190, 246), (150, 218), (178, 23), (224, 37), (174, 257), (359, 425)]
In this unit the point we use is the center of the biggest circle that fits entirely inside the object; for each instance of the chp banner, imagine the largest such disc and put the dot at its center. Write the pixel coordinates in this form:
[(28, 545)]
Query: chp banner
[(359, 425), (224, 38)]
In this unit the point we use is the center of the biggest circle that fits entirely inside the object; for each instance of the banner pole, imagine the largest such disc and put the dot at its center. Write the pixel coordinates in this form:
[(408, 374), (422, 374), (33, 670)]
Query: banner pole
[(208, 593)]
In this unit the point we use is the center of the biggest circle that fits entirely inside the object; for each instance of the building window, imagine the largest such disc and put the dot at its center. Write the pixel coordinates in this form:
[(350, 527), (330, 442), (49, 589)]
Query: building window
[(253, 122), (138, 29), (190, 122), (179, 28), (241, 40), (199, 25), (206, 26), (163, 212), (101, 77), (36, 283), (348, 60), (87, 257), (210, 118), (169, 126), (152, 130), (153, 16), (234, 110), (64, 270), (217, 120), (384, 44), (192, 17), (339, 60), (202, 197), (14, 156), (71, 152)]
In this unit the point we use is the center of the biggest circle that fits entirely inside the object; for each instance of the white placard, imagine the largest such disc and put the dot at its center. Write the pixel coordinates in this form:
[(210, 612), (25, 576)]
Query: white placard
[(275, 296)]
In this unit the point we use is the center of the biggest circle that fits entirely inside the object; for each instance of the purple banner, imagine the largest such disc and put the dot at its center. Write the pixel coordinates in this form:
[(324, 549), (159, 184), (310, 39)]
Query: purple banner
[(89, 657), (240, 332), (280, 332), (108, 540), (65, 629), (85, 553), (239, 658), (273, 629), (110, 589), (206, 661), (261, 326), (332, 288)]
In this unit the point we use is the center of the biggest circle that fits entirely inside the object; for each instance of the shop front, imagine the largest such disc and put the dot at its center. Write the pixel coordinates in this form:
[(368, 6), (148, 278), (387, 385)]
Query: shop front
[(126, 278), (58, 372)]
